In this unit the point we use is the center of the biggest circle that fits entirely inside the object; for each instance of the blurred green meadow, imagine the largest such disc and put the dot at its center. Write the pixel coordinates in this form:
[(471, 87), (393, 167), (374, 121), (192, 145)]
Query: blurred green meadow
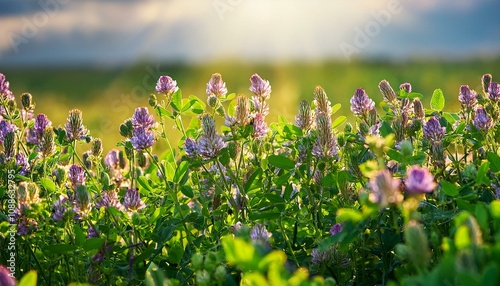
[(108, 96)]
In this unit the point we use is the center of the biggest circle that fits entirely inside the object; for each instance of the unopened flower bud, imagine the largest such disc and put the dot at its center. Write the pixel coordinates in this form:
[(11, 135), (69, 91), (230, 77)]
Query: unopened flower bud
[(197, 261), (142, 160), (387, 91), (47, 144), (242, 110), (9, 143), (153, 102), (418, 109), (212, 100), (323, 104), (74, 126), (485, 82), (126, 128), (97, 147), (233, 149), (348, 127), (27, 101)]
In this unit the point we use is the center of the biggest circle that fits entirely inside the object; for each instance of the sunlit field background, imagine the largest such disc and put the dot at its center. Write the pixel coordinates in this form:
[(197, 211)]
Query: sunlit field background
[(109, 96)]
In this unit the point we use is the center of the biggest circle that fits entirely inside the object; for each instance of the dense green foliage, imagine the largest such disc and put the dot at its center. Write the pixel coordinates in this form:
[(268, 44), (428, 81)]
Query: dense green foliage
[(407, 195)]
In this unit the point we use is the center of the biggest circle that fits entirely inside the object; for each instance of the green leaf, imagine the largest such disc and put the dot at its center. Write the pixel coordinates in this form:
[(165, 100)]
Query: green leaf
[(177, 100), (48, 184), (283, 179), (336, 107), (339, 121), (414, 95), (60, 248), (349, 215), (329, 180), (449, 188), (437, 100), (481, 173), (252, 183), (155, 276), (29, 279), (462, 237), (93, 243), (239, 252), (181, 171), (494, 160), (79, 235), (143, 182), (187, 191), (281, 162)]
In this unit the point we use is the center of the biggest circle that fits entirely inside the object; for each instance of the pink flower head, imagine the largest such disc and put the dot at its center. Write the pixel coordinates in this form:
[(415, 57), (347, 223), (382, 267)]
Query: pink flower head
[(216, 86), (467, 97), (166, 85), (385, 189), (494, 91), (260, 87), (361, 104), (142, 118), (419, 181), (433, 130), (482, 121)]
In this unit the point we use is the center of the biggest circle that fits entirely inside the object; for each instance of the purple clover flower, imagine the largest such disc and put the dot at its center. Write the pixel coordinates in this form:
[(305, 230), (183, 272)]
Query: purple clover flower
[(261, 88), (76, 175), (35, 134), (132, 200), (74, 126), (142, 118), (321, 256), (260, 128), (259, 233), (260, 106), (5, 127), (321, 101), (433, 130), (216, 86), (92, 232), (190, 147), (419, 181), (4, 88), (6, 278), (112, 159), (481, 119), (494, 91), (26, 225), (22, 162), (166, 85), (361, 104), (210, 143), (467, 97), (60, 208), (82, 205), (304, 120), (406, 87), (325, 145), (385, 189), (142, 138), (109, 199), (336, 229)]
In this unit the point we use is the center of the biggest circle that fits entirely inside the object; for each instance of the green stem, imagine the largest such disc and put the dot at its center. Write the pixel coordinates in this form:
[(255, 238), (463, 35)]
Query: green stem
[(288, 242)]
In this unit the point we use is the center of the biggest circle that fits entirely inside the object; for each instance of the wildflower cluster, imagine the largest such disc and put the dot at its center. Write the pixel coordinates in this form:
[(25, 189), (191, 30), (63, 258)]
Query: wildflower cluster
[(405, 194)]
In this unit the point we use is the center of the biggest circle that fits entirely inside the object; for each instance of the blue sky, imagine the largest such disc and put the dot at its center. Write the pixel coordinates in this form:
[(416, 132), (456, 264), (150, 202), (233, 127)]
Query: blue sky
[(55, 32)]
